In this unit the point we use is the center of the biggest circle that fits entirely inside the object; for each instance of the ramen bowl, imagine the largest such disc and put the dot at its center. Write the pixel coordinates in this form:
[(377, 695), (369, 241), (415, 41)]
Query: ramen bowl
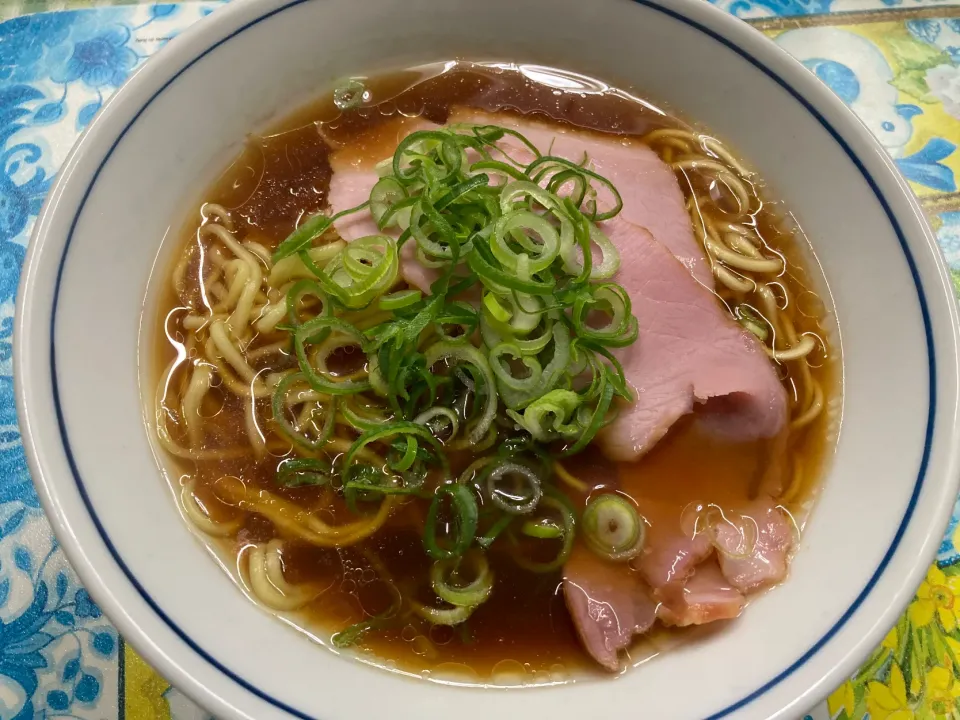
[(886, 495)]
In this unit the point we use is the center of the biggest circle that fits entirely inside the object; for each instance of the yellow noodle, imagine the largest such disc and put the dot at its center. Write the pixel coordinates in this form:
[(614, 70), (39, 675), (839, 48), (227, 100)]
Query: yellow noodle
[(297, 521), (229, 352), (241, 315), (265, 576), (571, 480), (196, 390), (219, 213), (197, 514)]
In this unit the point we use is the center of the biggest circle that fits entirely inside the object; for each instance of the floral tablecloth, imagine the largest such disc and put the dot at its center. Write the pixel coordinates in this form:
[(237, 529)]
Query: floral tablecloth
[(896, 63)]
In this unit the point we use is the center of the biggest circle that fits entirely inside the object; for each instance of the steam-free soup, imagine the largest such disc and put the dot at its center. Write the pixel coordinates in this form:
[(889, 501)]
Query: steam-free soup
[(495, 371)]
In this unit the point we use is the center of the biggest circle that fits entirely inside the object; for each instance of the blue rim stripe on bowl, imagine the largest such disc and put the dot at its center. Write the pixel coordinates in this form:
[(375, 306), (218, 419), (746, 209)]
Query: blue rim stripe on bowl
[(753, 61)]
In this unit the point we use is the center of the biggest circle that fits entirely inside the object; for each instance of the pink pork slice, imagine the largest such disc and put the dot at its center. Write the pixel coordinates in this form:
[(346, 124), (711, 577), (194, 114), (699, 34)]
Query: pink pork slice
[(671, 552), (752, 559), (648, 187), (609, 604), (689, 353), (682, 578), (705, 597), (351, 184)]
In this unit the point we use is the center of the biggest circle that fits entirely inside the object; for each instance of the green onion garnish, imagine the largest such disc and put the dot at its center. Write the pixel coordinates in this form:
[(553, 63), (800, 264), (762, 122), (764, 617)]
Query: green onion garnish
[(464, 522), (612, 528), (509, 351)]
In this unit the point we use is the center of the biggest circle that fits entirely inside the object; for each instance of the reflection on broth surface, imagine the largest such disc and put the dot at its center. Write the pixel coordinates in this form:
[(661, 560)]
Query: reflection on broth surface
[(523, 397)]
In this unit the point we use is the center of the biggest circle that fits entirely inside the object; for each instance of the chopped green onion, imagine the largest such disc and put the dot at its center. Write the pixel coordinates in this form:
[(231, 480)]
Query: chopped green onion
[(401, 428), (753, 322), (360, 419), (399, 299), (488, 538), (612, 528), (383, 196), (551, 163), (351, 635), (442, 616), (464, 507), (496, 310), (542, 529), (278, 405), (467, 353), (301, 289), (299, 472), (598, 417), (427, 416), (317, 330), (445, 573), (560, 505), (516, 501), (315, 226), (513, 246), (549, 416), (350, 95)]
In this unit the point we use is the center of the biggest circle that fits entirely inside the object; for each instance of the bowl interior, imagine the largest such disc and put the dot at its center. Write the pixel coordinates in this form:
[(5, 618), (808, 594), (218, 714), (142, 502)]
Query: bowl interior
[(170, 132)]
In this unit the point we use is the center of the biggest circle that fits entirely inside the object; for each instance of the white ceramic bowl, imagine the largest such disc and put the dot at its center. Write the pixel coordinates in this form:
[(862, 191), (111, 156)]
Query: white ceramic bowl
[(174, 126)]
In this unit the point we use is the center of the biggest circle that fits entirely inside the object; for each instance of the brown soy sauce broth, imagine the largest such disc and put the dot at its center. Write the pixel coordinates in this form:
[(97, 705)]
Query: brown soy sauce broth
[(523, 631)]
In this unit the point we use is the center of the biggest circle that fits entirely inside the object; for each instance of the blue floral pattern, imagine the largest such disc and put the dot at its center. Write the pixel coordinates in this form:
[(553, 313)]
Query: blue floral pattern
[(58, 653)]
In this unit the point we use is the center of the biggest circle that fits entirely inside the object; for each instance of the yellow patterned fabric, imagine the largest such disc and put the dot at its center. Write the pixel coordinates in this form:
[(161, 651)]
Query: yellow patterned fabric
[(144, 691)]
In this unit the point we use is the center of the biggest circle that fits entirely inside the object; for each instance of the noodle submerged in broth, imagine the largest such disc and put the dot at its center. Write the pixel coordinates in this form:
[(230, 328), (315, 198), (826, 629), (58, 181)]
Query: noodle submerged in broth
[(411, 374)]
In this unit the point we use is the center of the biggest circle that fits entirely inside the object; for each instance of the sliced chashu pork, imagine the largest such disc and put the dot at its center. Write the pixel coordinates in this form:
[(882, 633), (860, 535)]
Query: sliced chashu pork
[(609, 604), (671, 551), (689, 353), (354, 178), (689, 350), (704, 597), (758, 554), (648, 187), (679, 579)]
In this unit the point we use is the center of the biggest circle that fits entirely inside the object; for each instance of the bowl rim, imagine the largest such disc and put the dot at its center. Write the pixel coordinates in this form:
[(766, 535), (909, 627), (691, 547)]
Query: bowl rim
[(203, 38)]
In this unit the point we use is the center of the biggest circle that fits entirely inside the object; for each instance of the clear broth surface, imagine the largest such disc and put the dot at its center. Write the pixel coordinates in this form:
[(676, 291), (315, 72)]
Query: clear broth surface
[(524, 630)]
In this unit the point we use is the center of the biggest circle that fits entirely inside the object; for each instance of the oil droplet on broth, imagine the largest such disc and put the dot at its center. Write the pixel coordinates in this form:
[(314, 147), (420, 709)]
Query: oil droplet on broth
[(424, 648), (455, 672), (509, 673), (541, 677)]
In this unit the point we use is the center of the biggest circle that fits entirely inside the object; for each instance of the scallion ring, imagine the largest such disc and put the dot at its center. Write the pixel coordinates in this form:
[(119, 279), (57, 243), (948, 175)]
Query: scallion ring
[(300, 472), (279, 403), (442, 616), (465, 516), (612, 528), (430, 418), (444, 573), (546, 528), (514, 501)]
